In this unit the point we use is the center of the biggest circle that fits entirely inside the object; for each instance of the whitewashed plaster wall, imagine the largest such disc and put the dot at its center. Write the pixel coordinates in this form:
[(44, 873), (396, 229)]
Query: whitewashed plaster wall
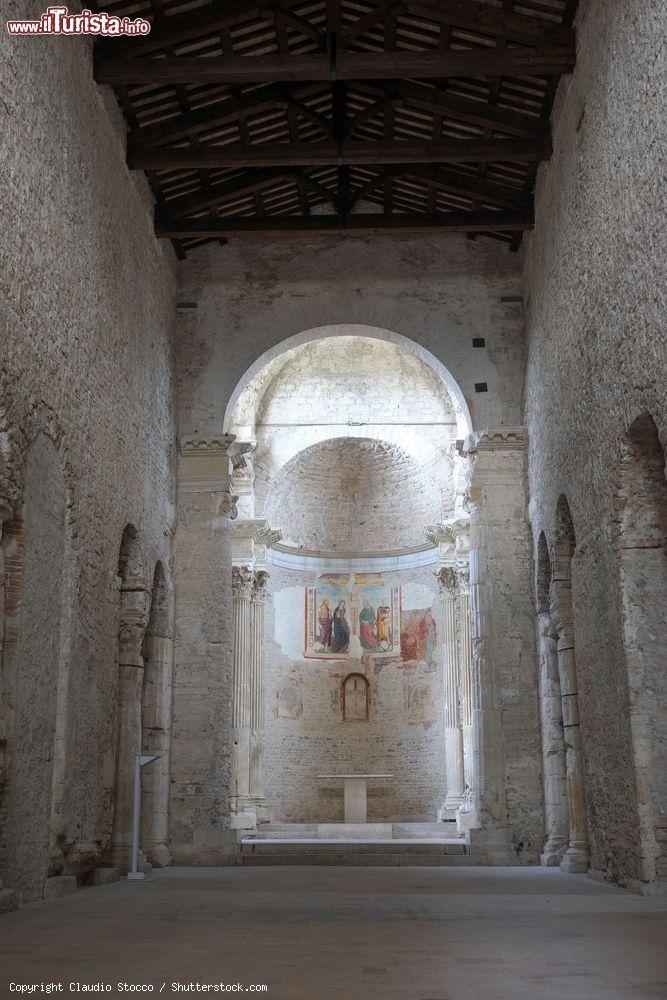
[(306, 734), (597, 358)]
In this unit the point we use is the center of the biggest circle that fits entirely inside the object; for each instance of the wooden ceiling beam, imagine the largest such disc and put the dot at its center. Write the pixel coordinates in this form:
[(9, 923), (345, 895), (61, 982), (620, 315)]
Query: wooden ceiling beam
[(228, 190), (329, 154), (493, 21), (189, 123), (445, 104), (347, 66), (180, 29), (441, 179), (361, 225), (362, 24)]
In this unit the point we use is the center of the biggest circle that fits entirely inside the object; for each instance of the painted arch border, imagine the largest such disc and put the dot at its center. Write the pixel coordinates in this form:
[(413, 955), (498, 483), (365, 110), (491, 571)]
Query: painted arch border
[(464, 425)]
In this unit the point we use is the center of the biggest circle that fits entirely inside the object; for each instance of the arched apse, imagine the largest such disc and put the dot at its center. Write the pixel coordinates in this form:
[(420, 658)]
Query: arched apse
[(270, 362), (356, 494)]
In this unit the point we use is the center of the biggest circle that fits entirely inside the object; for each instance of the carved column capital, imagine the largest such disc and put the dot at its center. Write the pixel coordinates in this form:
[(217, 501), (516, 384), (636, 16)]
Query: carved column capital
[(259, 586), (446, 578), (6, 511), (463, 581), (242, 582), (227, 507)]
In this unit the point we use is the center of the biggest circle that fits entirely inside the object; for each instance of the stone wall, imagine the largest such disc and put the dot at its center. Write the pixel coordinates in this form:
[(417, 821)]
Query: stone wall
[(307, 735), (86, 307), (594, 299), (439, 292)]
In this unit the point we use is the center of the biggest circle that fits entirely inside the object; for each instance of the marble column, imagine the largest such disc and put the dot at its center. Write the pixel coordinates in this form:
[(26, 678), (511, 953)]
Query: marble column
[(451, 676), (577, 856), (464, 812), (203, 655), (242, 585), (257, 721), (553, 745)]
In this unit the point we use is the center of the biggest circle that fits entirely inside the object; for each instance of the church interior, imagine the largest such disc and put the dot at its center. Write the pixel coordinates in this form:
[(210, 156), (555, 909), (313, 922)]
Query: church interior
[(333, 500)]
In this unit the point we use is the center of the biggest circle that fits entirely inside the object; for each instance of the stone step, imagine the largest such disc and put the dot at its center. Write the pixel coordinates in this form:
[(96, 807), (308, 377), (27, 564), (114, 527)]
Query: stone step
[(400, 831), (388, 860), (434, 847), (354, 852)]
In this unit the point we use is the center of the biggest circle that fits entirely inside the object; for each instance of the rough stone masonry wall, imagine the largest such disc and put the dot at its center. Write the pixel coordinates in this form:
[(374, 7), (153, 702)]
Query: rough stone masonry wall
[(86, 305), (594, 301), (305, 732), (438, 291)]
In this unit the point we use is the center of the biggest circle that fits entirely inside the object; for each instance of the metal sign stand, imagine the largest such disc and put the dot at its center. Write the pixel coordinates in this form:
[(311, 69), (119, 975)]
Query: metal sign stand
[(134, 875)]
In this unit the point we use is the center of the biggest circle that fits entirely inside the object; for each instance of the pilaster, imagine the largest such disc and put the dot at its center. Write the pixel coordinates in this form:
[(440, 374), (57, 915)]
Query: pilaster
[(203, 655)]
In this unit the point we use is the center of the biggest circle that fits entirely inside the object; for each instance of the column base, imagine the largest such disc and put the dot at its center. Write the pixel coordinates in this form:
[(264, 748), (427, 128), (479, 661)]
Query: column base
[(576, 861), (492, 846), (158, 854), (552, 852)]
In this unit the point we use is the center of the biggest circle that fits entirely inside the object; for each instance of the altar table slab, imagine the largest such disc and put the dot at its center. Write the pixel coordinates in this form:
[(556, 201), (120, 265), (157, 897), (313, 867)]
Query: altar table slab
[(354, 788)]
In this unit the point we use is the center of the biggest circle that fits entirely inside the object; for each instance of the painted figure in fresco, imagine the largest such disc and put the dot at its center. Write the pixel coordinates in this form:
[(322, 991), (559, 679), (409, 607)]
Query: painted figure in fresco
[(367, 627), (325, 623), (340, 639), (383, 627)]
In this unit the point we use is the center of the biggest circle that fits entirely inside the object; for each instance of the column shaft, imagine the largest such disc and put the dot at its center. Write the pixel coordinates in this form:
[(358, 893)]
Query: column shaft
[(553, 746), (242, 581), (256, 764), (577, 856), (451, 678)]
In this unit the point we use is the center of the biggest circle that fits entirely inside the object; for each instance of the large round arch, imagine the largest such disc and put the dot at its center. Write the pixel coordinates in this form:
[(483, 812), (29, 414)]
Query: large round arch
[(463, 418)]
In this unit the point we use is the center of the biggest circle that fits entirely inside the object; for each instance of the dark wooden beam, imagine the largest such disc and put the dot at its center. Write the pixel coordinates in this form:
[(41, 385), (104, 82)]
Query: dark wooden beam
[(347, 66), (362, 225), (441, 179), (194, 122), (362, 24), (228, 190), (329, 154), (180, 29), (491, 21), (447, 105)]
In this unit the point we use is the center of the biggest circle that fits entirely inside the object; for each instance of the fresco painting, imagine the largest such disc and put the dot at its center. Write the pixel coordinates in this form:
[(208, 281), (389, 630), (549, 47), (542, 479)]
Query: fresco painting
[(418, 636), (351, 614)]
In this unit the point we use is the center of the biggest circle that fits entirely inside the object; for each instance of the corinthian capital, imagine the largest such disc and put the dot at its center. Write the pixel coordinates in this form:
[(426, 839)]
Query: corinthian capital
[(259, 586), (243, 580), (446, 578)]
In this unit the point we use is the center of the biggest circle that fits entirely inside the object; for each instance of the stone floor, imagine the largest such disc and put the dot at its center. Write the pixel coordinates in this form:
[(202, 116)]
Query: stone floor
[(361, 933)]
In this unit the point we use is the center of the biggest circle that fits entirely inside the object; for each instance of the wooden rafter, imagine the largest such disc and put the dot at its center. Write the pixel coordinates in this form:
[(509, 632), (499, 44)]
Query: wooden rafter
[(347, 66), (249, 114), (362, 224)]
